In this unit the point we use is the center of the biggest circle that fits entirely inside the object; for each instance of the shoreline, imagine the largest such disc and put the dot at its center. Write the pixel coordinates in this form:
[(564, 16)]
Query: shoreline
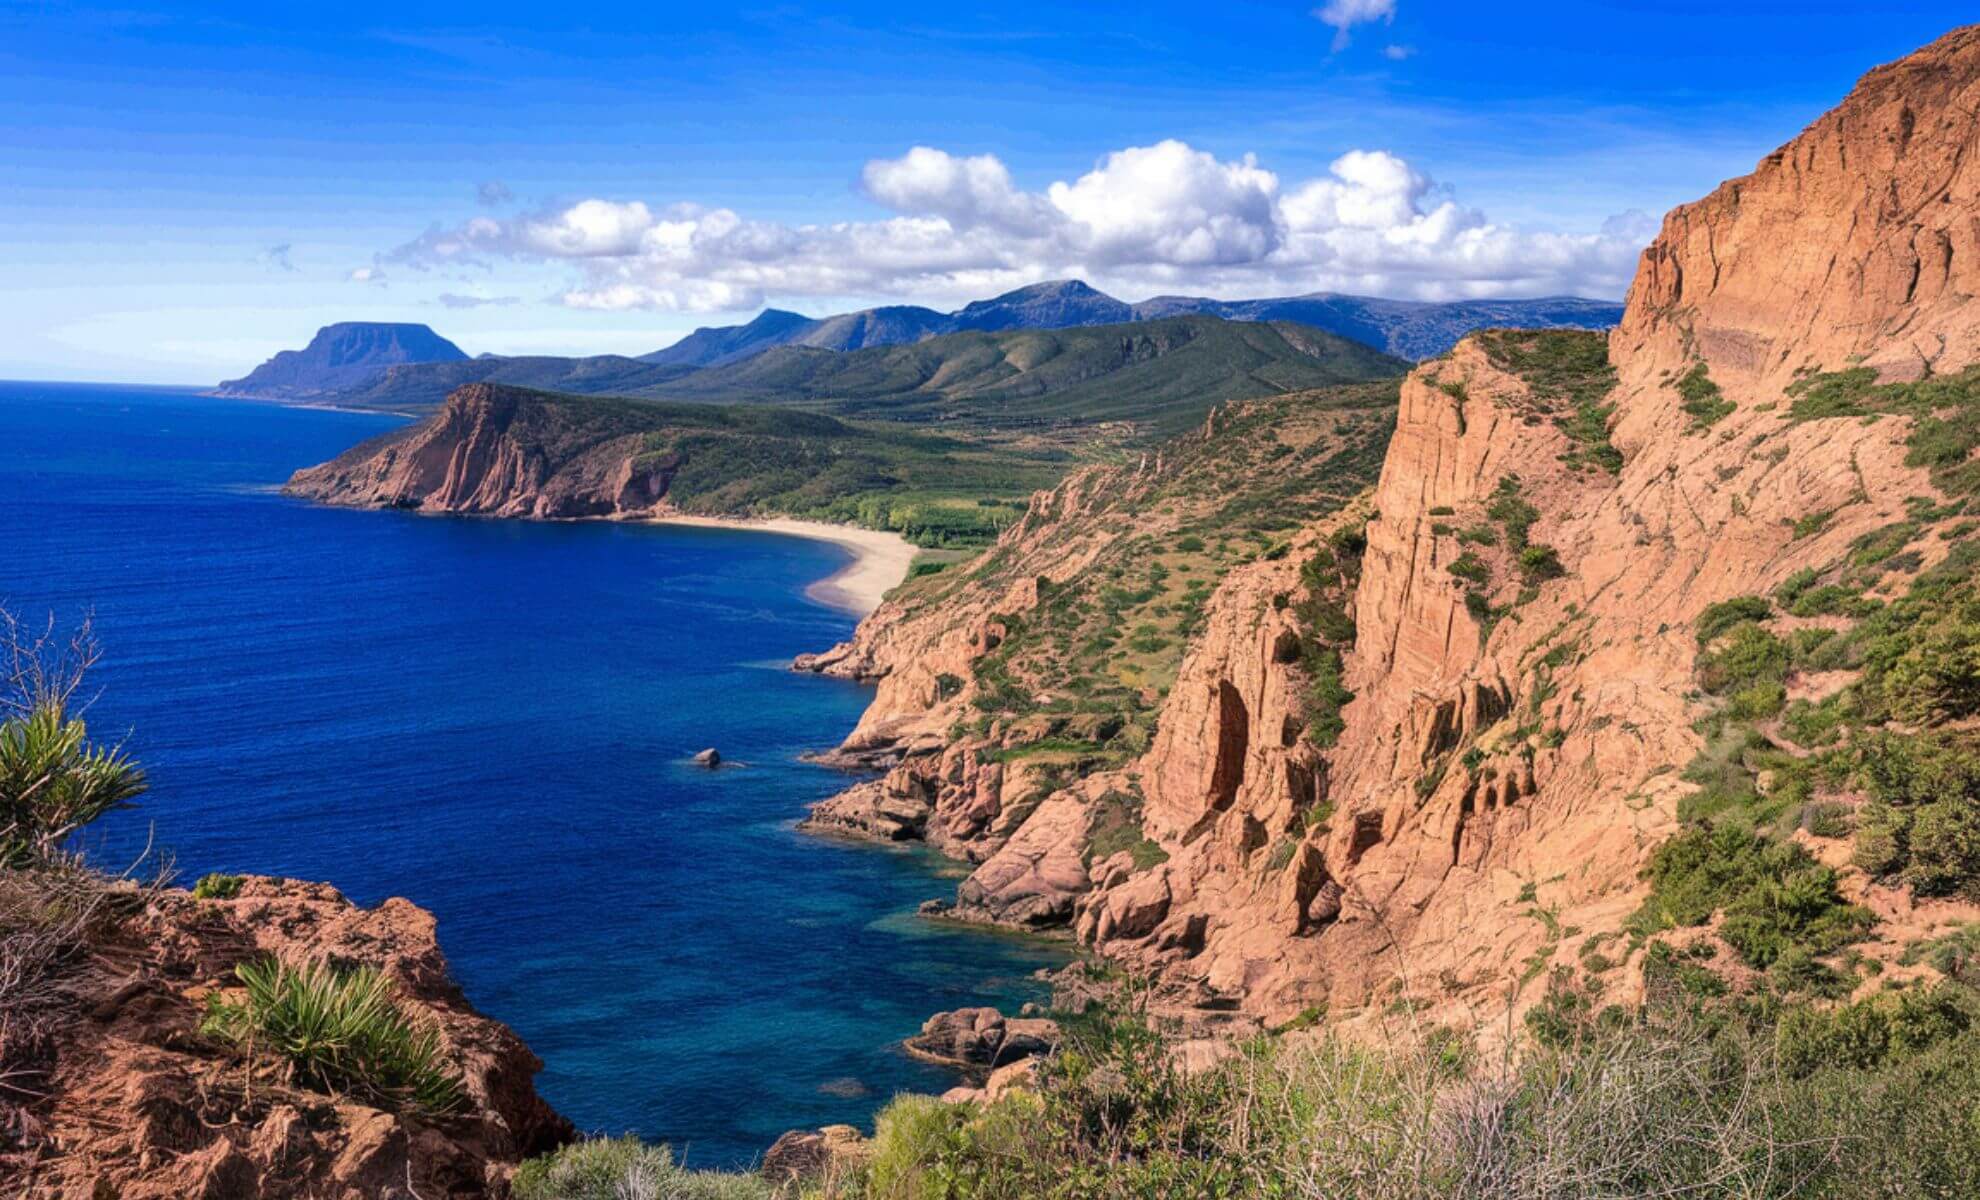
[(879, 560)]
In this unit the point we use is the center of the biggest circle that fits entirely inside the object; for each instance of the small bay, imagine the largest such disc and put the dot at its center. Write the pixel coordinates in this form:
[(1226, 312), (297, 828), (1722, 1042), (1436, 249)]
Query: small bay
[(494, 719)]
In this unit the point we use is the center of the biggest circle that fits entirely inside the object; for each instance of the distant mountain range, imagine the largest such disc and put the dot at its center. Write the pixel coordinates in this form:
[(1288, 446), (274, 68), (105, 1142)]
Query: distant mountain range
[(1160, 375), (1411, 329), (409, 367), (342, 356)]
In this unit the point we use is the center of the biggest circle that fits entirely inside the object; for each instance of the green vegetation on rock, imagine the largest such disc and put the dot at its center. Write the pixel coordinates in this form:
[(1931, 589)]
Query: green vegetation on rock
[(339, 1031), (1567, 372)]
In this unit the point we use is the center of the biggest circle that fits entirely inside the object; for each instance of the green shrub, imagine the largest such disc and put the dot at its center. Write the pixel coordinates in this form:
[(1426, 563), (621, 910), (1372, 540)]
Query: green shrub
[(1772, 893), (1702, 400), (1873, 1031), (216, 886), (54, 780), (1720, 617), (1746, 656), (1471, 568), (1511, 511), (1756, 701), (1539, 563), (1943, 842), (625, 1168), (338, 1031)]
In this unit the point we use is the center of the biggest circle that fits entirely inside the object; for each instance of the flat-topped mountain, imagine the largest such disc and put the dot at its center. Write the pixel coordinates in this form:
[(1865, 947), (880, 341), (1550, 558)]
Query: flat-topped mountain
[(341, 356)]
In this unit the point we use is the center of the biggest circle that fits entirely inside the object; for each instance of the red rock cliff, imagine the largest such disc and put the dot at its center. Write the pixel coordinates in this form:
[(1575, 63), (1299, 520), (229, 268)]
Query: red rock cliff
[(1509, 759)]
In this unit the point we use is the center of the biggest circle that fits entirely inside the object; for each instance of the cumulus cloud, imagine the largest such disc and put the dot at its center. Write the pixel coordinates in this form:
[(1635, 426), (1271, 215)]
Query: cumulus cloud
[(1164, 217), (1396, 53), (366, 275), (276, 258), (493, 192), (1344, 15)]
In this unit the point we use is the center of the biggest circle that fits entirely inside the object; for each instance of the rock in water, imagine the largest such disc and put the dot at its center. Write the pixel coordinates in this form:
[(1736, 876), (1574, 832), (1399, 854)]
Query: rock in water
[(982, 1038), (710, 758)]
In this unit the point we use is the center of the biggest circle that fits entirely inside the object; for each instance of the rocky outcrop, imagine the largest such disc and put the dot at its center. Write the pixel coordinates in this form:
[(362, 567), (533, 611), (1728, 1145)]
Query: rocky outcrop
[(139, 1104), (982, 1039), (1502, 778), (501, 451)]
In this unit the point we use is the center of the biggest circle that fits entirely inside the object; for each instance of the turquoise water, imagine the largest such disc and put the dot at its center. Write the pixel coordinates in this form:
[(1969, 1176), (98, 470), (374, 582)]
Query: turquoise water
[(493, 718)]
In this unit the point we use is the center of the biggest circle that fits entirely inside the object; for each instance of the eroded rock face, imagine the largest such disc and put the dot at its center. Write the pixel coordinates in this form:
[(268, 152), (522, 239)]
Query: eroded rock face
[(1510, 758), (1856, 239), (142, 1106)]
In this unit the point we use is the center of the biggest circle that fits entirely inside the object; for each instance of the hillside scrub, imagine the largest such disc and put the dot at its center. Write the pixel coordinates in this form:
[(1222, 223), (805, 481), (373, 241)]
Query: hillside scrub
[(1092, 660), (1870, 1100)]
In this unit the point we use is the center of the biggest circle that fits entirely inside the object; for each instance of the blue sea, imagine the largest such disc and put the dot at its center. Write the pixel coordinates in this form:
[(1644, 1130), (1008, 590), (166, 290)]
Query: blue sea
[(494, 719)]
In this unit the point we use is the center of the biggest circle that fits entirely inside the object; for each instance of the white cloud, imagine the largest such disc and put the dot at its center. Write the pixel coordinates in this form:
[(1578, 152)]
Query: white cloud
[(1344, 15), (366, 275), (459, 300), (1396, 53), (965, 191), (1167, 217)]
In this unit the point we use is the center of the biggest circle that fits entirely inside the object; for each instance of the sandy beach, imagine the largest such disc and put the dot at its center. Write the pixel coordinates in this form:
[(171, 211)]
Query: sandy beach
[(880, 560)]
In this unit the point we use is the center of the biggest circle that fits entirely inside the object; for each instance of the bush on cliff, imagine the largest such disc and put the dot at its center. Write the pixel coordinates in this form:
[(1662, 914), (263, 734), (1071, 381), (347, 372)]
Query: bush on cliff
[(338, 1031), (53, 779)]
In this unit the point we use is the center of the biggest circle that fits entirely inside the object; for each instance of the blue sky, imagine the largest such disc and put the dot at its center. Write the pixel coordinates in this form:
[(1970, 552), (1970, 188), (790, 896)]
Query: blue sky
[(183, 191)]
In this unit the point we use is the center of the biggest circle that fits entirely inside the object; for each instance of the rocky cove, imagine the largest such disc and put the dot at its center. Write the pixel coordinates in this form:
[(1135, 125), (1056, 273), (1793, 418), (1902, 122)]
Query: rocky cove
[(1570, 673)]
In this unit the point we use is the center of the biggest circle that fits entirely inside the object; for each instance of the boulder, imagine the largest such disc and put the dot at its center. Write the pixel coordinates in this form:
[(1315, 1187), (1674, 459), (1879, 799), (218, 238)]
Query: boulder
[(710, 758), (982, 1038), (803, 1154)]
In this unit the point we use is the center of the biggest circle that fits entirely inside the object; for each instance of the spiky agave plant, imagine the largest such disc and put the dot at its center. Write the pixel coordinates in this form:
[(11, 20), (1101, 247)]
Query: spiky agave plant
[(54, 781), (338, 1031)]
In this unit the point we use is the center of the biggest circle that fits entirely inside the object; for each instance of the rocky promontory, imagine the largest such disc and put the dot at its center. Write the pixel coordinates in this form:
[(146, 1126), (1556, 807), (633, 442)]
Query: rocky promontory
[(118, 1090)]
